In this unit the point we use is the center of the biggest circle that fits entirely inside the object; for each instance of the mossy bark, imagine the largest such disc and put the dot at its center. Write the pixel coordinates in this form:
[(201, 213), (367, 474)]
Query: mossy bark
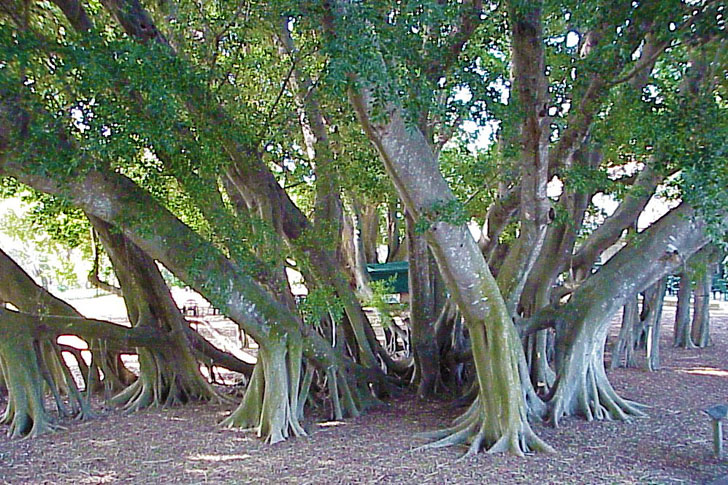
[(270, 404), (25, 412), (582, 387), (498, 420), (34, 360), (26, 371), (117, 200)]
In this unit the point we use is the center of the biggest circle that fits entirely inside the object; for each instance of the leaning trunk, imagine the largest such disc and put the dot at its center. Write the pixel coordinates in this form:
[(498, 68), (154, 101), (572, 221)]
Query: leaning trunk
[(497, 420), (582, 387)]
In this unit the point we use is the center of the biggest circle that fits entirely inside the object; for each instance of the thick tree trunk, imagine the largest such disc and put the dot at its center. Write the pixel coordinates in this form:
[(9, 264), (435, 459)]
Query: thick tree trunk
[(700, 328), (422, 314), (26, 370), (25, 412), (3, 386), (115, 199), (530, 93), (582, 386), (17, 287), (682, 337), (497, 420), (270, 404)]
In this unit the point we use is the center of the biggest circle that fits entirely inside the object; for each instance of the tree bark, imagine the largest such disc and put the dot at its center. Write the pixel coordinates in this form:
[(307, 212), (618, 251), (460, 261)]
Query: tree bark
[(582, 387), (422, 314), (623, 349), (497, 420), (700, 328), (531, 97), (682, 337)]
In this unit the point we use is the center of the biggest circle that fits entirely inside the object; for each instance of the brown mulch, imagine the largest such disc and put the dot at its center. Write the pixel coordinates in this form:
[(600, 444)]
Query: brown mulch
[(183, 445)]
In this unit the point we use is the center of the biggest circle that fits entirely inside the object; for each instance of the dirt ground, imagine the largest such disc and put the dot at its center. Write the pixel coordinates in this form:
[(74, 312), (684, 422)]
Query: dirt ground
[(183, 445)]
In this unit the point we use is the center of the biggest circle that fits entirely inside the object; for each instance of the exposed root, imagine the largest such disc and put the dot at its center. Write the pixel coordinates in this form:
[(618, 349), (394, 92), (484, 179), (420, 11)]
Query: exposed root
[(497, 421), (270, 406), (540, 374), (165, 381), (460, 435), (591, 396), (475, 430), (345, 400), (25, 413), (536, 409)]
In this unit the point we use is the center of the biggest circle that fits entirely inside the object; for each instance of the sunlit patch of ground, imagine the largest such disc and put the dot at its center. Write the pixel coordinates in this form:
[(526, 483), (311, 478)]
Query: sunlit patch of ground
[(705, 371)]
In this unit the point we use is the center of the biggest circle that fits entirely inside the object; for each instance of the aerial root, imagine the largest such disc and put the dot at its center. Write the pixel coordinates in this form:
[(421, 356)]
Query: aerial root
[(24, 426), (135, 397), (270, 405), (456, 437), (164, 383), (474, 433), (476, 445), (594, 399), (43, 427)]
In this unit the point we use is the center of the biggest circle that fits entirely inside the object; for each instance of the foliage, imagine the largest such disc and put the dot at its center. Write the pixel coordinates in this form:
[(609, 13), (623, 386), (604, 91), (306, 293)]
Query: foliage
[(382, 302), (46, 256)]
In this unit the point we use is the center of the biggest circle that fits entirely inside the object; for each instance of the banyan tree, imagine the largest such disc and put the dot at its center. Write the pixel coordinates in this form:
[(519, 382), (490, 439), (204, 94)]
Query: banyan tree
[(229, 142)]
